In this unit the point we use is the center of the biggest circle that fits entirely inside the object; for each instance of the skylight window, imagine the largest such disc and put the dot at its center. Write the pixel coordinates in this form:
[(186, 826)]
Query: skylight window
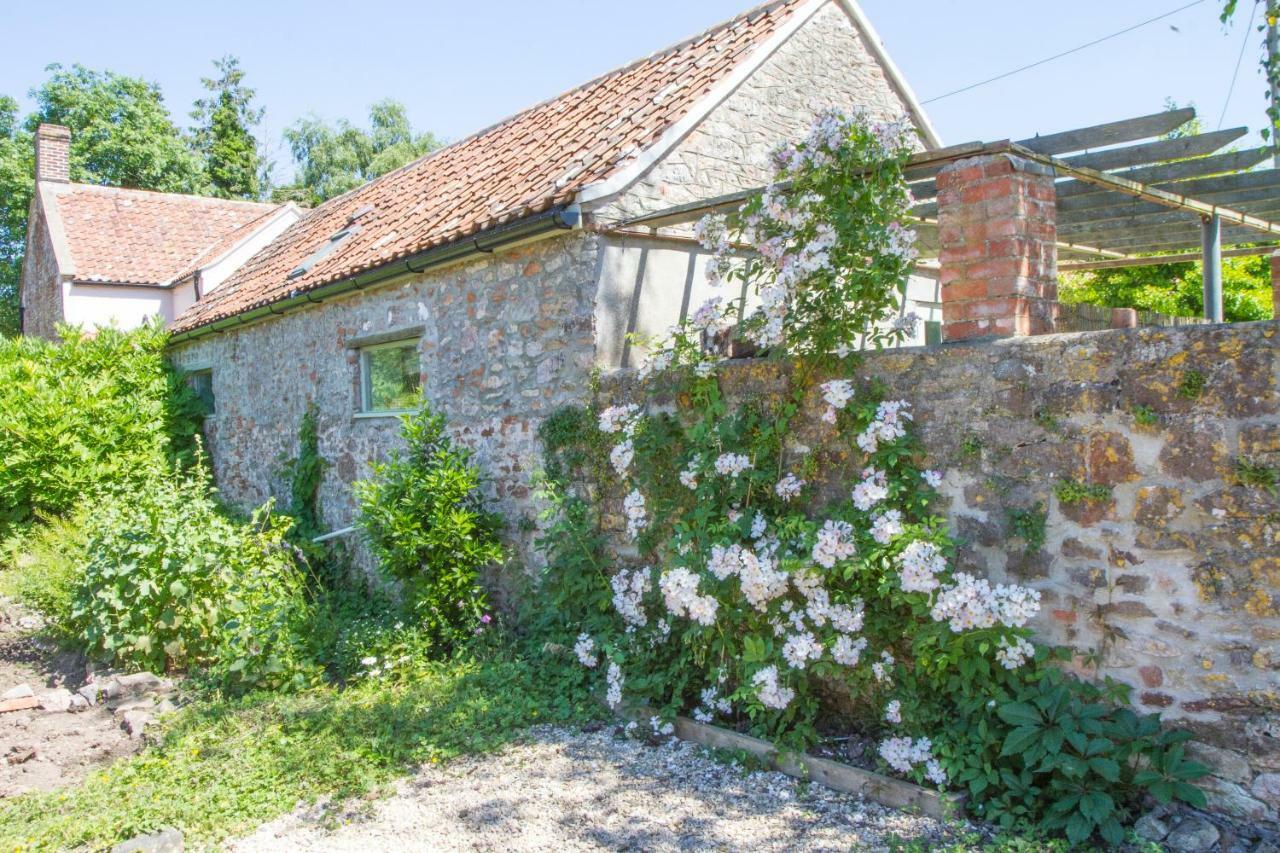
[(324, 251)]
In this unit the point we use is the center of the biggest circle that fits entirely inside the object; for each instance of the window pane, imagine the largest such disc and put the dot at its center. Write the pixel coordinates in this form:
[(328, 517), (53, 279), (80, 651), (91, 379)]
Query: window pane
[(392, 374), (201, 382)]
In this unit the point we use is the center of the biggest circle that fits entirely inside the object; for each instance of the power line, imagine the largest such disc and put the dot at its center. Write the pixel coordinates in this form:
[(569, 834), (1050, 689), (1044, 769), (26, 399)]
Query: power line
[(1239, 59), (1064, 53)]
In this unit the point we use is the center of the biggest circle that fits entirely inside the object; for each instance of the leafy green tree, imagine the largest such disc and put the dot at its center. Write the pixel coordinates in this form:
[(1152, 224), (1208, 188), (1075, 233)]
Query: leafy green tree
[(15, 196), (224, 136), (332, 159), (121, 131), (1270, 67), (1176, 289), (121, 135)]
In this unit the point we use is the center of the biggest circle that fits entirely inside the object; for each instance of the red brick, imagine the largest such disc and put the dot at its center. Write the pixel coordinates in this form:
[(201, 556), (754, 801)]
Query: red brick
[(22, 703), (1067, 617), (964, 289), (1152, 676)]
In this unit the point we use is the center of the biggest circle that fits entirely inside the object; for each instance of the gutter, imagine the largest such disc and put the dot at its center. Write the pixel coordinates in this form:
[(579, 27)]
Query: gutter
[(559, 218)]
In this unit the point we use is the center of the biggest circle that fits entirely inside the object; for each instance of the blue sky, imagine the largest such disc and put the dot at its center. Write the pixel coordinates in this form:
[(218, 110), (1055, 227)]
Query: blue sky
[(462, 65)]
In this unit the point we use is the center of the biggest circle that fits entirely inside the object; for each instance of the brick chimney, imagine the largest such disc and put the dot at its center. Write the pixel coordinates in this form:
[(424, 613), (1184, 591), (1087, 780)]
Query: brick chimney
[(53, 153)]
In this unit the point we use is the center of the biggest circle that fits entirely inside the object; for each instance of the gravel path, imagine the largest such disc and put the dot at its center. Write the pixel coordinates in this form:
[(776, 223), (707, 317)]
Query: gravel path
[(568, 791)]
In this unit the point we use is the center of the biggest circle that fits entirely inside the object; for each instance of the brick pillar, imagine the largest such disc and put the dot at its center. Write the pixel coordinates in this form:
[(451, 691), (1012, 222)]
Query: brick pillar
[(1275, 285), (53, 153), (1124, 318), (999, 258)]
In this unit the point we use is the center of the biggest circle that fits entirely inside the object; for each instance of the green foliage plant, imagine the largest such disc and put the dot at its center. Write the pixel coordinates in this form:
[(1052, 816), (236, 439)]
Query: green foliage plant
[(171, 583), (424, 516), (742, 598), (1192, 385), (83, 413), (43, 565), (1144, 416), (305, 473)]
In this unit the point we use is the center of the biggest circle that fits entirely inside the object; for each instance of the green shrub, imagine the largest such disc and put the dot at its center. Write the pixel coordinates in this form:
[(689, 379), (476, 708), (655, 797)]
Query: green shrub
[(425, 520), (172, 583), (85, 412), (43, 566), (1061, 756)]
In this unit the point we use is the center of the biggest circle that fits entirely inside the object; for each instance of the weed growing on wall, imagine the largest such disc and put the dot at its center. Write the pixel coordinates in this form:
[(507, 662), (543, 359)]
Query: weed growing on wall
[(747, 601), (1073, 492), (1028, 524)]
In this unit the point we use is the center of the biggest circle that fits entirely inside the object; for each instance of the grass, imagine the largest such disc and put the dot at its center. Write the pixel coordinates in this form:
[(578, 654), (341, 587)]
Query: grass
[(225, 766)]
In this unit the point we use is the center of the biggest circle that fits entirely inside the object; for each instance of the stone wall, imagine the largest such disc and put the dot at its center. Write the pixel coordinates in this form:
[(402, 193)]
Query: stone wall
[(504, 341), (1173, 576)]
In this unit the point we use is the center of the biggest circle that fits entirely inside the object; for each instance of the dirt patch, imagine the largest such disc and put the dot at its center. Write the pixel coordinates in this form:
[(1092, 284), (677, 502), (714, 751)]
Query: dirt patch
[(75, 724)]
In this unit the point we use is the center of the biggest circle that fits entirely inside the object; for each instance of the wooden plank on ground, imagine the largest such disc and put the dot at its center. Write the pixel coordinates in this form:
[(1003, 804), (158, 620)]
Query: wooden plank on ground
[(842, 777)]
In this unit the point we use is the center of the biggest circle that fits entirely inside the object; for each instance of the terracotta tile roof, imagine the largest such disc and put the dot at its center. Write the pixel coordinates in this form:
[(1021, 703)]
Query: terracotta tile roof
[(139, 237), (226, 243), (524, 165)]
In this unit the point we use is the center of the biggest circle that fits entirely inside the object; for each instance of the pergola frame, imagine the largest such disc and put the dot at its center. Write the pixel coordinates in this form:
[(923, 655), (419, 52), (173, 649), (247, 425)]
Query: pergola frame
[(1162, 200)]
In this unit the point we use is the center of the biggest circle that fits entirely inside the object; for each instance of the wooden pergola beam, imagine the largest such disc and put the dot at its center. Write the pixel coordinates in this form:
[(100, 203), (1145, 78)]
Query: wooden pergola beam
[(1158, 260), (1111, 133), (1156, 152), (1198, 167), (1226, 188)]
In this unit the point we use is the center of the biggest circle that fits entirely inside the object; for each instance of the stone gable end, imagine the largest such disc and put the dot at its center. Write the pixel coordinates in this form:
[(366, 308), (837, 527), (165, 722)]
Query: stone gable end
[(824, 63)]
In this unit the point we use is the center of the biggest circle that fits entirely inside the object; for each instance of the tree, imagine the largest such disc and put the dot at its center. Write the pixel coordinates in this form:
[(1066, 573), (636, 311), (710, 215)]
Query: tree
[(121, 131), (121, 135), (332, 159), (223, 135), (15, 196), (1176, 289), (1269, 63)]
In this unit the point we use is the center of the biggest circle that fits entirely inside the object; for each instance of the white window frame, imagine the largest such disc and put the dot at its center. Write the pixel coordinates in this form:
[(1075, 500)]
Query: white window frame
[(366, 390)]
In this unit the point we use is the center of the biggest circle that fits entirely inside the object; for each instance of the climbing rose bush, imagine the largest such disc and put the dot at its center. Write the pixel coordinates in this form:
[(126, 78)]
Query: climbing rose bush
[(824, 250), (748, 600)]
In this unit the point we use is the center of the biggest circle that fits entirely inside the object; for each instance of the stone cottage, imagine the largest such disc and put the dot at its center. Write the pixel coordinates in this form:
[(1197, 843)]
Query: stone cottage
[(491, 275), (100, 256)]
